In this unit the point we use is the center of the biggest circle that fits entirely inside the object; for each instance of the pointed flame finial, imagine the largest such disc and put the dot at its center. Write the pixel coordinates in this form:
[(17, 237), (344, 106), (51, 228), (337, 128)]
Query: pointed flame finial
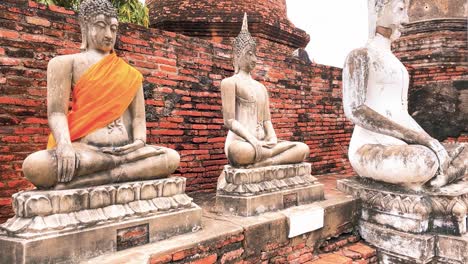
[(245, 23), (244, 40)]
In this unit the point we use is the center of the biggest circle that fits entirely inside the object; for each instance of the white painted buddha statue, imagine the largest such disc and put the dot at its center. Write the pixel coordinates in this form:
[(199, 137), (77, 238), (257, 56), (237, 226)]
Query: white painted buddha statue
[(387, 144)]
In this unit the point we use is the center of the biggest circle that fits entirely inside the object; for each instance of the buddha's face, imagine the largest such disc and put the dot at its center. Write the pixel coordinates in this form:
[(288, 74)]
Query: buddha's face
[(393, 15), (102, 33), (248, 60)]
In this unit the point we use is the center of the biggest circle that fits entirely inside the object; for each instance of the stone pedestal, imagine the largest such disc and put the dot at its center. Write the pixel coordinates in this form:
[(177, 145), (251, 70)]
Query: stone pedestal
[(249, 192), (412, 227), (72, 225)]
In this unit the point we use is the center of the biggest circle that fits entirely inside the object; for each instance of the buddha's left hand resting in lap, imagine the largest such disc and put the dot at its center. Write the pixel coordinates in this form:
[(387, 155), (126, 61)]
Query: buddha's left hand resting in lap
[(252, 141), (102, 139)]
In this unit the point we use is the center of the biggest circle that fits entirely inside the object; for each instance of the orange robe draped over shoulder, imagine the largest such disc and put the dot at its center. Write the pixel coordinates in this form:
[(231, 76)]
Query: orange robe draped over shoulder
[(101, 96)]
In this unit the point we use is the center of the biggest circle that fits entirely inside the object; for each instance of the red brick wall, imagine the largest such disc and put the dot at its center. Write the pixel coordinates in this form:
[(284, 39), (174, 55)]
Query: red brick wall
[(182, 77), (435, 53)]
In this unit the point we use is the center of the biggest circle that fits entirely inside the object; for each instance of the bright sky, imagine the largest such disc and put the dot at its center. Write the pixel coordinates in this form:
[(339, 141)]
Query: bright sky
[(335, 27)]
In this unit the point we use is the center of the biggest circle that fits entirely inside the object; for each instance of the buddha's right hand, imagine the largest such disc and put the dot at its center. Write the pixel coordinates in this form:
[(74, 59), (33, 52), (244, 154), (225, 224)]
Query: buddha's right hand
[(66, 163), (258, 146), (442, 155)]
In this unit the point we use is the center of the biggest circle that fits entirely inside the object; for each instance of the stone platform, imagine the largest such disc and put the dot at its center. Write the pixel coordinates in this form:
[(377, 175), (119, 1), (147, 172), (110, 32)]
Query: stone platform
[(248, 192), (412, 227), (257, 239), (69, 225)]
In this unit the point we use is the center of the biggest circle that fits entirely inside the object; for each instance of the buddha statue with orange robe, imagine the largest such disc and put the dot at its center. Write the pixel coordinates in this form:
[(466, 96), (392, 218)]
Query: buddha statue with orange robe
[(102, 138)]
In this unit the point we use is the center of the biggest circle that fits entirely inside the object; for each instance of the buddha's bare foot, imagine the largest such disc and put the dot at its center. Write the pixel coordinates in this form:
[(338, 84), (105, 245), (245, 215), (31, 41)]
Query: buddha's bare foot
[(60, 186), (264, 163), (439, 181), (454, 173)]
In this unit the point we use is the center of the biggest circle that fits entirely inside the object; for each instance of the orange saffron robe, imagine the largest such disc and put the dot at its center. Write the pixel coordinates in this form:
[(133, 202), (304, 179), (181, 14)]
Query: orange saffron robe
[(101, 96)]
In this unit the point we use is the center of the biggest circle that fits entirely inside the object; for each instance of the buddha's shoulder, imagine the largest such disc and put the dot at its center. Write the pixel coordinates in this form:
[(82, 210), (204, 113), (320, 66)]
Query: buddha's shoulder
[(357, 58), (359, 53), (228, 82), (65, 60)]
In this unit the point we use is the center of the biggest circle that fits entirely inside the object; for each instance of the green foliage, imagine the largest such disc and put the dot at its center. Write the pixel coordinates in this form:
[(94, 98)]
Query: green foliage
[(131, 11)]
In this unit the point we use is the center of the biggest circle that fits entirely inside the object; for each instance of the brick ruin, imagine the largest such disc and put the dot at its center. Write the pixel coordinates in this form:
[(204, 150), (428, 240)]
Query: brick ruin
[(182, 77), (184, 55), (433, 48)]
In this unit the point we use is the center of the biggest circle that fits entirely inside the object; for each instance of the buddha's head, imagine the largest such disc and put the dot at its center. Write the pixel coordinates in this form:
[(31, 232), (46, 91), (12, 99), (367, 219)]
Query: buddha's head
[(244, 49), (390, 14), (98, 21)]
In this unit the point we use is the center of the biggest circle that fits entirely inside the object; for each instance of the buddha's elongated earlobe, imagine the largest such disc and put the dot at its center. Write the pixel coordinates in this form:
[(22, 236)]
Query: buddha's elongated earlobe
[(84, 38)]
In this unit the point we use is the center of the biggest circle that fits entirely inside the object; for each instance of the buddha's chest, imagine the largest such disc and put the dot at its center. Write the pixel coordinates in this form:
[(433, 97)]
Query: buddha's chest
[(385, 69), (81, 65), (250, 91)]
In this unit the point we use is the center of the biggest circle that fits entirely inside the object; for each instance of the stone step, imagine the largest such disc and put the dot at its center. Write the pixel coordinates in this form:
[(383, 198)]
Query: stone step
[(251, 239)]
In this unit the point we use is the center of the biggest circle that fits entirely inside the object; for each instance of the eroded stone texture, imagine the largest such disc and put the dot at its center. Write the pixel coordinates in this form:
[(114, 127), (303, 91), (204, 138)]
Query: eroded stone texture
[(42, 212), (412, 227), (443, 211), (265, 179), (254, 191)]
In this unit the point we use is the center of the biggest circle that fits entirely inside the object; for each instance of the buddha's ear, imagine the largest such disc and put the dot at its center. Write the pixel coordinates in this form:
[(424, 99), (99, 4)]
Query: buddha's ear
[(84, 36), (235, 62)]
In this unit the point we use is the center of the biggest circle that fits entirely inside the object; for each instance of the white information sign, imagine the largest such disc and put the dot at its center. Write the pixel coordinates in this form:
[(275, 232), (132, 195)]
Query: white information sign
[(304, 220)]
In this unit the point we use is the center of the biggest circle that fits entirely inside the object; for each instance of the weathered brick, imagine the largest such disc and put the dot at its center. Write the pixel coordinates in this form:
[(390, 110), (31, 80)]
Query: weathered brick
[(332, 258), (160, 259), (38, 21), (350, 254), (231, 255), (9, 34), (210, 259), (365, 251)]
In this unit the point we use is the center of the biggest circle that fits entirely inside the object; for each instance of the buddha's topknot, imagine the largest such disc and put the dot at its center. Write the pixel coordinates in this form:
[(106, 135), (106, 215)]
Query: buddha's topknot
[(91, 8), (244, 40)]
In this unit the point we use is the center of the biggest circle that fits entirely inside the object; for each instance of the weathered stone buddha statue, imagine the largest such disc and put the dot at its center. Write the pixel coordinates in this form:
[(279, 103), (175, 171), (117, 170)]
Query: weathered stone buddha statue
[(387, 144), (102, 138), (109, 184), (264, 173), (251, 141)]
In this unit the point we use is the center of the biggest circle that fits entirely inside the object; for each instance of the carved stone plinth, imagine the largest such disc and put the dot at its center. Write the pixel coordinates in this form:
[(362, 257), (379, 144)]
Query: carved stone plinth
[(413, 227), (69, 225), (248, 192)]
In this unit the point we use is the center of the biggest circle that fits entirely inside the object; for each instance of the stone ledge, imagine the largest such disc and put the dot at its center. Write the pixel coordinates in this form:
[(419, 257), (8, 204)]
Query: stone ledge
[(42, 212), (82, 244), (266, 231), (266, 202)]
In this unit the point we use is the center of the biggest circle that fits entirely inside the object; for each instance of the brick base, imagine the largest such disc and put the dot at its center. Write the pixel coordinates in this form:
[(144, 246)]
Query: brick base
[(348, 249)]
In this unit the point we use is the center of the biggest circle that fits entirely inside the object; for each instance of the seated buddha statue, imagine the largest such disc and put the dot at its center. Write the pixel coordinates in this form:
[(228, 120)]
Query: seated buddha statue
[(251, 140), (387, 144), (102, 138)]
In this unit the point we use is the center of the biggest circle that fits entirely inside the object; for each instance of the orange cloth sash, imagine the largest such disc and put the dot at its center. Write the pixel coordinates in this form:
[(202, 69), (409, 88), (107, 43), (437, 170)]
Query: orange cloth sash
[(101, 96)]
